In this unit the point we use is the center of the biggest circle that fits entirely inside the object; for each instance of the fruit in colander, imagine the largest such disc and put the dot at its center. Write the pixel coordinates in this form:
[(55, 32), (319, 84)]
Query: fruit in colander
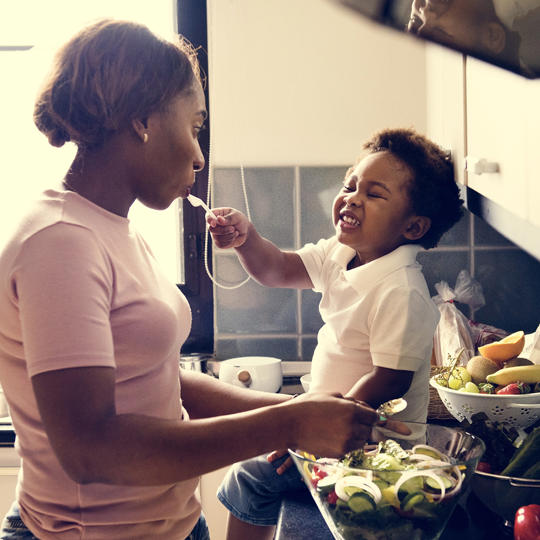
[(479, 368), (504, 349)]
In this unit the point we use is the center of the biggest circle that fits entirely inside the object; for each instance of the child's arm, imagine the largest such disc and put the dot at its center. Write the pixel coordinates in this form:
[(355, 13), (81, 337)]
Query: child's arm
[(262, 259), (380, 385)]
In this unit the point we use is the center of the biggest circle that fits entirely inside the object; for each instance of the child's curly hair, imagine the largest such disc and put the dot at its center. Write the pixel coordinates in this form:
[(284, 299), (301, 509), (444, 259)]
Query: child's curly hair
[(433, 190)]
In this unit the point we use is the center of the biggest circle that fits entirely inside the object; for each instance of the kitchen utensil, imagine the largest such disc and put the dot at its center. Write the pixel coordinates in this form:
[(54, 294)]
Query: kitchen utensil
[(195, 362), (195, 201), (503, 495), (382, 499), (254, 372), (393, 406), (521, 410)]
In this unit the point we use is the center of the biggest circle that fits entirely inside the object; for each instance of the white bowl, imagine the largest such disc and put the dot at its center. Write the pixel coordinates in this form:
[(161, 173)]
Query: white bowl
[(254, 372), (305, 380), (521, 410)]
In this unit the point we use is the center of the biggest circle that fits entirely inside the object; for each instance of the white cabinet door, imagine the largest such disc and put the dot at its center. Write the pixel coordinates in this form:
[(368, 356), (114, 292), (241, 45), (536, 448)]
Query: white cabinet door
[(445, 103), (214, 511), (8, 483), (498, 106), (532, 115)]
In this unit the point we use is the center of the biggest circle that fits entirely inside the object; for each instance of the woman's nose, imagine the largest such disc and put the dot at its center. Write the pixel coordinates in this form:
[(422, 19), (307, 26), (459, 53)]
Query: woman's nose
[(198, 164)]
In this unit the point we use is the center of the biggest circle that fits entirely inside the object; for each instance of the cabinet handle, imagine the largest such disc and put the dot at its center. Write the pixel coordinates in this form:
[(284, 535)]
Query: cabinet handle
[(481, 165)]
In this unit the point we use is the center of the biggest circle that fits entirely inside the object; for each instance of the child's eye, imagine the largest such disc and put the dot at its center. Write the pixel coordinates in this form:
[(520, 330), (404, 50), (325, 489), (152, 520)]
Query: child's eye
[(375, 196), (347, 188)]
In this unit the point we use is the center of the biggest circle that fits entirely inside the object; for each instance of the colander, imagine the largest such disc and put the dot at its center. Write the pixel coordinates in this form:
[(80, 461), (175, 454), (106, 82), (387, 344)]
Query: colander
[(521, 410)]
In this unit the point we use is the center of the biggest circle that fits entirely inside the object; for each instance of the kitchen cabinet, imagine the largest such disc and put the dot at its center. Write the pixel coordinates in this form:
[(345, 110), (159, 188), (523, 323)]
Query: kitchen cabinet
[(9, 470), (489, 118), (8, 483), (497, 109), (214, 512)]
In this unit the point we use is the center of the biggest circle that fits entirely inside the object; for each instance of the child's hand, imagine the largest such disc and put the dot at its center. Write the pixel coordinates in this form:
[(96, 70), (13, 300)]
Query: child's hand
[(230, 229), (276, 454)]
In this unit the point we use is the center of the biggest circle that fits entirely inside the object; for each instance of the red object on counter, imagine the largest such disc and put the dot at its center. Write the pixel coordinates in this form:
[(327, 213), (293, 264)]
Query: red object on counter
[(483, 466), (527, 523)]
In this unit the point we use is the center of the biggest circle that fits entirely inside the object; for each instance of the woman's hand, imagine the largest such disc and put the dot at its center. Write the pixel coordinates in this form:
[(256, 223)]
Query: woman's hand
[(334, 425), (231, 228), (329, 425)]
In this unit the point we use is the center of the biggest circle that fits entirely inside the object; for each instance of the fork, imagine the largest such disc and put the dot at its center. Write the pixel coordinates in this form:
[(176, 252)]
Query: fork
[(195, 201)]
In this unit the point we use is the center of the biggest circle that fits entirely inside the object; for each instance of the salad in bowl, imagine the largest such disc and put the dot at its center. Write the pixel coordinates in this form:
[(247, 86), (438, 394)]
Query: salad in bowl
[(394, 488)]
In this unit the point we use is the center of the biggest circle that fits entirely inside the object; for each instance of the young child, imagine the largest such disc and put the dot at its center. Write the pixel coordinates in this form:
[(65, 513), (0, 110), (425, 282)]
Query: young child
[(379, 320)]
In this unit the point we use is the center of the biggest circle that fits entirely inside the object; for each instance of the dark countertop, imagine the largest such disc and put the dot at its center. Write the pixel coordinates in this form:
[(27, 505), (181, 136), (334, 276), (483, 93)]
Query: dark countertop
[(300, 519)]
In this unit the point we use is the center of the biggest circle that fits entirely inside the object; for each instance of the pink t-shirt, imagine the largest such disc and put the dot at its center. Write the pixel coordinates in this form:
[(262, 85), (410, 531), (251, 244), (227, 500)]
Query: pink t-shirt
[(79, 287)]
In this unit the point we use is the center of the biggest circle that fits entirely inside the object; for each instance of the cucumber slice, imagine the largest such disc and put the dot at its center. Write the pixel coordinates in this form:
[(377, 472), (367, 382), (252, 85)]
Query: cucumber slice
[(412, 500), (326, 484), (434, 486), (416, 483), (361, 502)]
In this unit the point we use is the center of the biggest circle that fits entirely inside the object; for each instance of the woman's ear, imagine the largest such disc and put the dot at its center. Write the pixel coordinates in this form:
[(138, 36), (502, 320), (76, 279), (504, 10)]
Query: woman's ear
[(417, 227), (140, 128)]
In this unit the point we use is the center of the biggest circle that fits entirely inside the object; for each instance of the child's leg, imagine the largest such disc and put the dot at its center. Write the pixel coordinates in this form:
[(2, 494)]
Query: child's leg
[(241, 530), (252, 492)]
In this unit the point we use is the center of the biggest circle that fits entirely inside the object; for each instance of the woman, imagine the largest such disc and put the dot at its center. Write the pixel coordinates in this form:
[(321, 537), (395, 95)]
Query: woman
[(112, 440)]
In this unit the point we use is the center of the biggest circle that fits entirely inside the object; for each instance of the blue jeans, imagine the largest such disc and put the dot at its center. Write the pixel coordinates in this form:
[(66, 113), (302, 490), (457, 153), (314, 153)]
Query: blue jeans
[(14, 528), (252, 490)]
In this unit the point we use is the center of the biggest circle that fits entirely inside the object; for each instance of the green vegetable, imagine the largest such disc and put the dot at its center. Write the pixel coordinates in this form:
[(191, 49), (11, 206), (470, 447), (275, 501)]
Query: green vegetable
[(411, 500), (533, 472), (499, 439), (525, 457), (361, 502)]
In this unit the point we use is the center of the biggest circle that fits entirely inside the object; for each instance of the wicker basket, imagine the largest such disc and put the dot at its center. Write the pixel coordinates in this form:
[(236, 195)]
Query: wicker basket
[(436, 408)]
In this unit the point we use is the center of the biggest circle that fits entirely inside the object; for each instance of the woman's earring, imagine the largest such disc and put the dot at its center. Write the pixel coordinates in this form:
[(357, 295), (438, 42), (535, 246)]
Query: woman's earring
[(145, 138)]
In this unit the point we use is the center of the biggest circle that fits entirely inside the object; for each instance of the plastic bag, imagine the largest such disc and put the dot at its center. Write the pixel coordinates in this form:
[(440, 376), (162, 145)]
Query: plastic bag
[(453, 333)]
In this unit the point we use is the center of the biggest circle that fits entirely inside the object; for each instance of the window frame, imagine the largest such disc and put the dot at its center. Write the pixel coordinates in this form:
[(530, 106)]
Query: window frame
[(191, 22)]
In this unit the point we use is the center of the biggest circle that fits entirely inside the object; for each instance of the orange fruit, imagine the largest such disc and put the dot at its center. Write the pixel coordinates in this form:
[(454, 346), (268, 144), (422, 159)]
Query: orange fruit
[(506, 348)]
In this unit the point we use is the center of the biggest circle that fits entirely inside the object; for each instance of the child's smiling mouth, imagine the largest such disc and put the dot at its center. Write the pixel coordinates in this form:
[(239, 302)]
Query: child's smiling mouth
[(348, 220)]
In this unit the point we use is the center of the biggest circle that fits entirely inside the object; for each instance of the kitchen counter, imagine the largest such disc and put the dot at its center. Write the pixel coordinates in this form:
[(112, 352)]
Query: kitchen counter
[(300, 519)]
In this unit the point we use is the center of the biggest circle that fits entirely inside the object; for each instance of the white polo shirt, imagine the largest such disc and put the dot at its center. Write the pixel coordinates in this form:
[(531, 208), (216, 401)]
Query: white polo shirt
[(378, 314)]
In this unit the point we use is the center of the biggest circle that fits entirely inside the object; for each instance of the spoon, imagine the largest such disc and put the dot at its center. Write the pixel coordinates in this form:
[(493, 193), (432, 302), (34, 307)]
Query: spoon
[(389, 408), (195, 201)]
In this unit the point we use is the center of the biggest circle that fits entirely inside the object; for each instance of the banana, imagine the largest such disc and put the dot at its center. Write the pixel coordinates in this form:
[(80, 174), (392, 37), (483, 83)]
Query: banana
[(527, 374)]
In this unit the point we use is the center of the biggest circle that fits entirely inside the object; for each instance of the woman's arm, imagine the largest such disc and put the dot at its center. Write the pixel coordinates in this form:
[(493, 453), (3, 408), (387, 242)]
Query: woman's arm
[(262, 259), (221, 398), (94, 443)]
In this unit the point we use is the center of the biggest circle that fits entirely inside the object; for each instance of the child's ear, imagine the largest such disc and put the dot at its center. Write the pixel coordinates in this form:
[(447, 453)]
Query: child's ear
[(493, 37), (417, 227)]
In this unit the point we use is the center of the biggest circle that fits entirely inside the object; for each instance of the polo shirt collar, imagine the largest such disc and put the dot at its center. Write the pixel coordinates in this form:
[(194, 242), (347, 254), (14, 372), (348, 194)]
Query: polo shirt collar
[(377, 269)]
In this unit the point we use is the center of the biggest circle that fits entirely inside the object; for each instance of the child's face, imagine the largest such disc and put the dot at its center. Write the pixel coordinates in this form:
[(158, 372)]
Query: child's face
[(372, 212)]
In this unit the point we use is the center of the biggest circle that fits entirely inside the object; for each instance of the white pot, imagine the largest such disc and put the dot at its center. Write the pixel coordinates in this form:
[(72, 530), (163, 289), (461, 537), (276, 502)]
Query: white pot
[(255, 372)]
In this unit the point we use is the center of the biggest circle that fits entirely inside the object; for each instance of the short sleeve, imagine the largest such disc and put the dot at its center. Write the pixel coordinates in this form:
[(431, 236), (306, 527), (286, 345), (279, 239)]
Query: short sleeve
[(63, 285), (402, 326), (313, 257)]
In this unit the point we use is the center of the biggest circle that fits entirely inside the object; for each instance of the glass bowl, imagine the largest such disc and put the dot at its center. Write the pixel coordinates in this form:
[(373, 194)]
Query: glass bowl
[(390, 491)]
